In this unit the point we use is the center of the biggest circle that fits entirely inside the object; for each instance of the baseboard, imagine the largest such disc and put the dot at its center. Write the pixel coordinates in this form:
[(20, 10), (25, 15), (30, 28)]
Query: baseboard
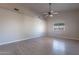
[(71, 38), (18, 40), (65, 37)]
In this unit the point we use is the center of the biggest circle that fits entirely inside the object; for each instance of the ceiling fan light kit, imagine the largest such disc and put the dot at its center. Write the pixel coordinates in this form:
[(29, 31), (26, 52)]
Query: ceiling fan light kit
[(51, 15)]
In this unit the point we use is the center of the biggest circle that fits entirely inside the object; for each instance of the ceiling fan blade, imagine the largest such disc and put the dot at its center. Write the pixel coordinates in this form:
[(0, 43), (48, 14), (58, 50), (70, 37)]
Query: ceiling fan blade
[(45, 13), (46, 16), (55, 13)]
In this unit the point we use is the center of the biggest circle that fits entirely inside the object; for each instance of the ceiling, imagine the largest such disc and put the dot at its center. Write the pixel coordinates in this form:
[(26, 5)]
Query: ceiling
[(43, 7)]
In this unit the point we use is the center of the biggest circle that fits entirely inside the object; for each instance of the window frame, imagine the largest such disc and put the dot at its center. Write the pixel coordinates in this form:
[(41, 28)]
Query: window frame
[(59, 26)]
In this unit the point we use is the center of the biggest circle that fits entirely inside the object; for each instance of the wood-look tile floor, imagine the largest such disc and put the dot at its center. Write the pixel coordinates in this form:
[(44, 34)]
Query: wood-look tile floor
[(42, 46)]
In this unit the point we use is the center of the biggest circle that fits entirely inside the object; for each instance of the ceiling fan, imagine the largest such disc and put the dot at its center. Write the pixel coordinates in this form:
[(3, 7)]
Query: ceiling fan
[(50, 13)]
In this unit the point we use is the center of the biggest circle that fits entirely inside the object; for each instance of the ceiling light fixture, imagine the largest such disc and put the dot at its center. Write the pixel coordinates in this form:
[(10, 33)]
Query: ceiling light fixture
[(51, 12)]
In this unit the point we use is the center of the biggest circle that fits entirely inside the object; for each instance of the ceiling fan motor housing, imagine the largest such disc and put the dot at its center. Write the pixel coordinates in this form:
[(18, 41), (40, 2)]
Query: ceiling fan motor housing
[(49, 13)]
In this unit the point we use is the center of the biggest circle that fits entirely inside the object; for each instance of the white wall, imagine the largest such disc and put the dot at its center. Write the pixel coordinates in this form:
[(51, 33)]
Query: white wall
[(71, 20), (15, 26)]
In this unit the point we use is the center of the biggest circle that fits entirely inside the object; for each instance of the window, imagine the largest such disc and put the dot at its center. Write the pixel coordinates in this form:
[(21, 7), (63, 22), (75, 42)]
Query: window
[(59, 27)]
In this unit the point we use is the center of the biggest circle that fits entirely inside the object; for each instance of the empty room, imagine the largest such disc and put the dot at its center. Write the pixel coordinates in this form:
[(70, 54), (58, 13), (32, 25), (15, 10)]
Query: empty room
[(39, 28)]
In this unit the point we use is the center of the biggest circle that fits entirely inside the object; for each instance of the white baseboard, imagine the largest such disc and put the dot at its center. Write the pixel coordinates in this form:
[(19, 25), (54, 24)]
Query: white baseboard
[(73, 38), (19, 40)]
